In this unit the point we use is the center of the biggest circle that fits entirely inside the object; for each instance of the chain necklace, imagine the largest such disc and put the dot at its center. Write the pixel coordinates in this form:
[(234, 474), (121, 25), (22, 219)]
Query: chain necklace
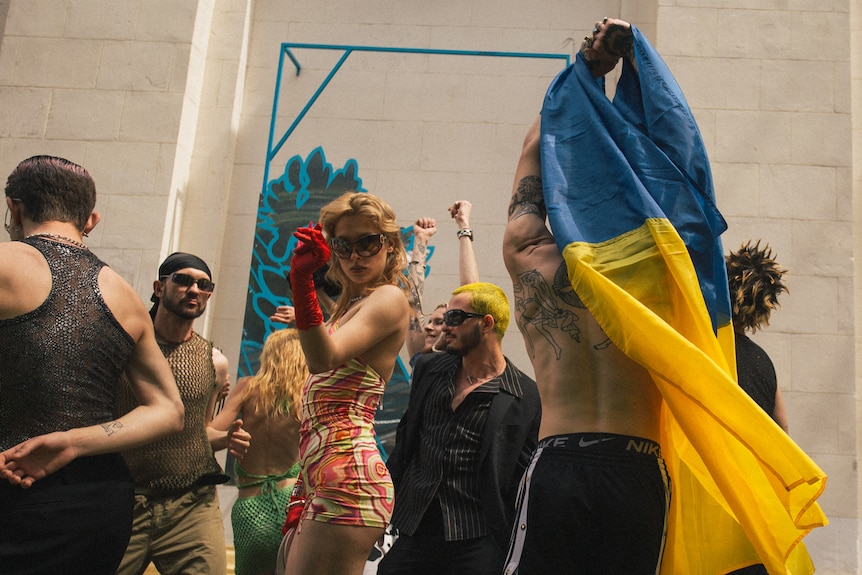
[(167, 341), (354, 299), (59, 238), (478, 380)]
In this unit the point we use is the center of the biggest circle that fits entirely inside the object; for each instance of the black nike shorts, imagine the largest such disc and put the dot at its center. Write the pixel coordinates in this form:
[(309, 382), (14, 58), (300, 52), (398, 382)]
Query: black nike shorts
[(593, 503)]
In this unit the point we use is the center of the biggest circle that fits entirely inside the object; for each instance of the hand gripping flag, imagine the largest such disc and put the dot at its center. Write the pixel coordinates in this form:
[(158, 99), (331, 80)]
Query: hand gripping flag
[(630, 202)]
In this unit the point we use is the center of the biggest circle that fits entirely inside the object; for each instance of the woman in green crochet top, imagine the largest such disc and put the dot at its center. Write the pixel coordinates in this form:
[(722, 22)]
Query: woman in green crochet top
[(268, 403)]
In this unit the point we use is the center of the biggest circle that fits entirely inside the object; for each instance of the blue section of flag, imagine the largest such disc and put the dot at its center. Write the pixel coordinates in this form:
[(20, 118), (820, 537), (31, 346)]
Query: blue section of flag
[(654, 165)]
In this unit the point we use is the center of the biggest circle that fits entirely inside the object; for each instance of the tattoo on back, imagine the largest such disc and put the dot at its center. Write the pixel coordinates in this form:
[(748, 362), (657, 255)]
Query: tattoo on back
[(528, 199), (538, 306), (545, 309), (563, 287)]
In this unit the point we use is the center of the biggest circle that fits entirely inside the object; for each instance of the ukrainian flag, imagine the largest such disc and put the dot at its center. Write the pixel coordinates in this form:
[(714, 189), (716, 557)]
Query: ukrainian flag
[(630, 201)]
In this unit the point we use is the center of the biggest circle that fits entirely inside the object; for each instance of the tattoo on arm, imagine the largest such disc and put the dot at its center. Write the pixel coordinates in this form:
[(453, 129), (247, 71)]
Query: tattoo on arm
[(111, 427), (528, 199), (416, 282), (415, 322), (419, 254)]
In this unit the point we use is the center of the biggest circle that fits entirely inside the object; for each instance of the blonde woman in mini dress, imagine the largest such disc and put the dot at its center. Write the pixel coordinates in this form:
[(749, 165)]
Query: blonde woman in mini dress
[(348, 492)]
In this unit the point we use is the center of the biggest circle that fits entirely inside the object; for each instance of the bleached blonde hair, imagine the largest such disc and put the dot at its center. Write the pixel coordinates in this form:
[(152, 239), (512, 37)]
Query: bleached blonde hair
[(281, 375)]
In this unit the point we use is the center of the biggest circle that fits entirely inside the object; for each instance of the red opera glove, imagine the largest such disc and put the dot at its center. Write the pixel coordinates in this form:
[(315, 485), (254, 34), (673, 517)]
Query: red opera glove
[(294, 507), (309, 255)]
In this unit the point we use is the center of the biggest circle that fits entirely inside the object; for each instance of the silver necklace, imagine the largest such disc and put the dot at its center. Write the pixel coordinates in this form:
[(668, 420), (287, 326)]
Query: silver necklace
[(354, 299), (478, 380), (59, 238)]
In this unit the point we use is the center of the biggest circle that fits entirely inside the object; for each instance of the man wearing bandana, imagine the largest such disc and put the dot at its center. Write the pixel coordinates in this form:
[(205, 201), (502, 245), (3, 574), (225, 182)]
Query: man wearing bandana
[(177, 523)]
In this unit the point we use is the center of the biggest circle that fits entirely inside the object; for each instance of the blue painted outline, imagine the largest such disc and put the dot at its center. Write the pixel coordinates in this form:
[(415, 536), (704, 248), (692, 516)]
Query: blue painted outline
[(272, 150)]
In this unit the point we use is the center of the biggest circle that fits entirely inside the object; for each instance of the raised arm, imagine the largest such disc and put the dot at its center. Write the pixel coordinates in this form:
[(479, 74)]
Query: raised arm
[(468, 268), (611, 40), (375, 333), (423, 229), (374, 330), (526, 230)]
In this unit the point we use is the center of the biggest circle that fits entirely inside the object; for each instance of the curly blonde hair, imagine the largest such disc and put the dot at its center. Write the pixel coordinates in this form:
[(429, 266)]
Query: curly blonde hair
[(382, 215), (281, 375), (754, 279)]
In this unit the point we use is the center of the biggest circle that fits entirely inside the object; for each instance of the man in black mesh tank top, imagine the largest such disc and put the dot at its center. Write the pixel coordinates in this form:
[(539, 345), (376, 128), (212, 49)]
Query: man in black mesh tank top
[(178, 524), (69, 326)]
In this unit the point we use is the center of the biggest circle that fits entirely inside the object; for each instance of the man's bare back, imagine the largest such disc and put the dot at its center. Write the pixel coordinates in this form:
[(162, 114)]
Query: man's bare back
[(586, 383)]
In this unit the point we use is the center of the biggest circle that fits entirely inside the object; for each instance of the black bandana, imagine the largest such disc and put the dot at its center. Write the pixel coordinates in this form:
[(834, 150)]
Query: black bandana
[(178, 261)]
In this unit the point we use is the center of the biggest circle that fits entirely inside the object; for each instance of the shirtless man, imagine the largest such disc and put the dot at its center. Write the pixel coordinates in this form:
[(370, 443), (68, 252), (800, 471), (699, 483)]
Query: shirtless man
[(595, 497)]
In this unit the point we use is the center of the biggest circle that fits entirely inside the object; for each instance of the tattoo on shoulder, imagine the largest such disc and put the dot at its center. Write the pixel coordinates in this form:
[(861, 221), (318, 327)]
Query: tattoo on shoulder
[(528, 199), (111, 427)]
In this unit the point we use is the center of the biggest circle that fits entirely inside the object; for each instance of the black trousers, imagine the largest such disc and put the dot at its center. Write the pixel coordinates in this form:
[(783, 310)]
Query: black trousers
[(427, 552), (77, 520)]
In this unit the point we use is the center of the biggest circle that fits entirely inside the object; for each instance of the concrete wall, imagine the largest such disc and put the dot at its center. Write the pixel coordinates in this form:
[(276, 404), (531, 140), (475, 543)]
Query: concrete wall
[(168, 104)]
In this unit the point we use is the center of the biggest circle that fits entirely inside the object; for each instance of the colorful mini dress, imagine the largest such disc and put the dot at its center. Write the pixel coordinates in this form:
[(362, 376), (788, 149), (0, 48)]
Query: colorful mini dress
[(345, 477)]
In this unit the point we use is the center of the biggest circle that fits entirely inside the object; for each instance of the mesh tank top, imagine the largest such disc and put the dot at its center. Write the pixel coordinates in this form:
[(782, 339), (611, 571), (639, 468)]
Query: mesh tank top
[(62, 361), (178, 461)]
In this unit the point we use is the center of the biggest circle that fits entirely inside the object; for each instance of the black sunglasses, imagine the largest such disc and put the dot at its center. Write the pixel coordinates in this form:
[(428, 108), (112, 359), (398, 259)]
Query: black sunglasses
[(455, 317), (186, 281), (366, 246)]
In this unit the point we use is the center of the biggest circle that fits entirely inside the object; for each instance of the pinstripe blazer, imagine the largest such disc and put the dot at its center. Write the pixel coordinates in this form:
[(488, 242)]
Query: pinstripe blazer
[(508, 440)]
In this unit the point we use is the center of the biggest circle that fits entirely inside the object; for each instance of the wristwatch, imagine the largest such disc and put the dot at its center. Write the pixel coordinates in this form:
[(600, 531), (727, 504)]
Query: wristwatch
[(465, 232)]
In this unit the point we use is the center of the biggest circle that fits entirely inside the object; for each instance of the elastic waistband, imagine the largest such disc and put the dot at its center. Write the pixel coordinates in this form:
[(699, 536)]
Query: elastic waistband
[(155, 493), (606, 442)]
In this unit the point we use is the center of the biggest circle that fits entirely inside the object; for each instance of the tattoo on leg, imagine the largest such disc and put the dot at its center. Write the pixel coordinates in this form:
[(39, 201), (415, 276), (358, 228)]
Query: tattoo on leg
[(528, 199)]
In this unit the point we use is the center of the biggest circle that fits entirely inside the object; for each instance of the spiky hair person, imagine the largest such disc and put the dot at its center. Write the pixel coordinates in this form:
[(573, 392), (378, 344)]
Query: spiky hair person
[(754, 278)]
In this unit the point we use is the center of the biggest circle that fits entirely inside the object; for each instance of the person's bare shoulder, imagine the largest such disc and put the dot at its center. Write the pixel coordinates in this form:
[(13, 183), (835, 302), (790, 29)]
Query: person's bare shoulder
[(124, 302), (25, 279), (392, 296)]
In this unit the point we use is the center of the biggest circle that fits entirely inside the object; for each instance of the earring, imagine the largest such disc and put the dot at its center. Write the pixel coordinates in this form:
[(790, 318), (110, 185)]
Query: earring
[(7, 223)]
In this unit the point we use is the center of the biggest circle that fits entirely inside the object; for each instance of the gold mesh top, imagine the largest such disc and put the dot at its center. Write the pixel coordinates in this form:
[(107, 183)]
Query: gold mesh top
[(178, 461), (62, 361)]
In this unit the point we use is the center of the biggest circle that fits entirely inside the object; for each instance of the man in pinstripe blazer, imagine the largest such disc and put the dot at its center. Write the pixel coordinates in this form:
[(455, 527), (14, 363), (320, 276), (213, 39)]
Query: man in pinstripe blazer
[(469, 430)]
